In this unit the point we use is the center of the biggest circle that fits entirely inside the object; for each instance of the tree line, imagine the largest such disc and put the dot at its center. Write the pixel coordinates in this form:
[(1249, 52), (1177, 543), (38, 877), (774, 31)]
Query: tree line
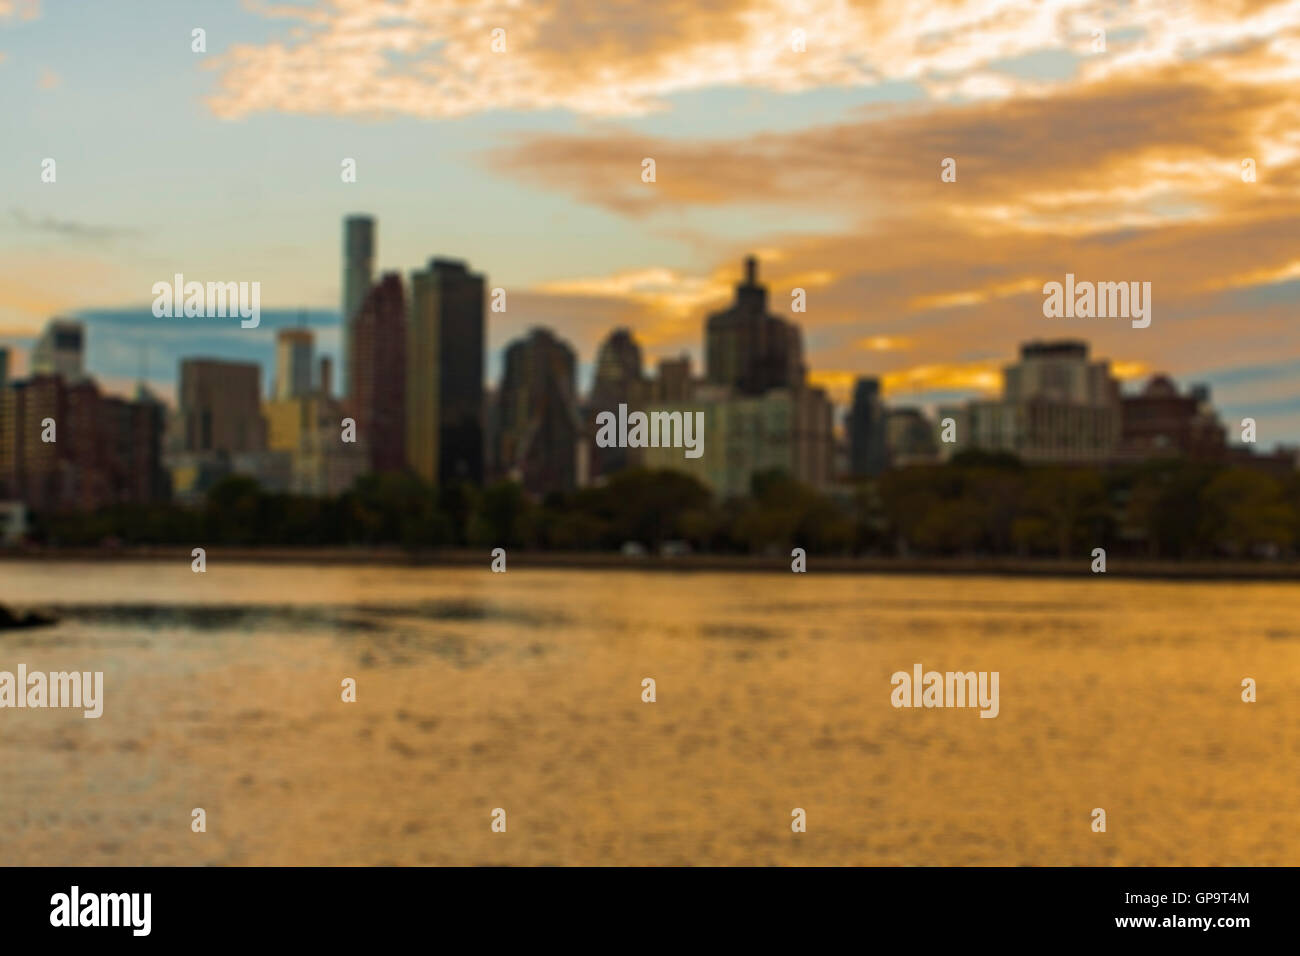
[(977, 504)]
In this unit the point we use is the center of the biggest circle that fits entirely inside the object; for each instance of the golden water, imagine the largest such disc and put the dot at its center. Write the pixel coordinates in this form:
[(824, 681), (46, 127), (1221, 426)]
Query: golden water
[(523, 691)]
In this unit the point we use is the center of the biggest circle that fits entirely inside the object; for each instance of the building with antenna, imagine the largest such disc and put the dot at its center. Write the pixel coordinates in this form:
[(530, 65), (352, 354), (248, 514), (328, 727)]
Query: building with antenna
[(760, 414)]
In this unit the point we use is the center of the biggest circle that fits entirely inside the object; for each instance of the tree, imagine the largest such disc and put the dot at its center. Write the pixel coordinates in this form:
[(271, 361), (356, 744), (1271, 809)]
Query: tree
[(1243, 510)]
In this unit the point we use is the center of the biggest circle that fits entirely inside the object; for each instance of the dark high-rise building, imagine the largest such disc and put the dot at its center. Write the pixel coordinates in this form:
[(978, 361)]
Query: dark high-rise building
[(618, 367), (220, 406), (105, 450), (358, 276), (868, 440), (673, 382), (618, 380), (537, 425), (749, 349), (910, 436), (326, 379), (134, 430), (32, 470), (4, 366), (444, 379), (378, 398), (12, 420)]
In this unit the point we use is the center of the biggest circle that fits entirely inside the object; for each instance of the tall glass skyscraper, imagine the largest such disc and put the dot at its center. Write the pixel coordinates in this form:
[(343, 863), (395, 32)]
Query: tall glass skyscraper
[(293, 363), (444, 377), (537, 425), (868, 445), (378, 397), (358, 274)]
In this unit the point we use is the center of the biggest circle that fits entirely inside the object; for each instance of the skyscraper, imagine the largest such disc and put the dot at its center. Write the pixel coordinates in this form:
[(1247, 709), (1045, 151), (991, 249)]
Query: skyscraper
[(293, 363), (673, 382), (910, 437), (619, 379), (1059, 371), (133, 431), (60, 350), (358, 275), (378, 397), (748, 349), (536, 417), (444, 383), (4, 366), (32, 470), (868, 441), (1058, 406), (108, 450), (785, 429), (220, 408), (305, 431), (619, 368), (326, 383)]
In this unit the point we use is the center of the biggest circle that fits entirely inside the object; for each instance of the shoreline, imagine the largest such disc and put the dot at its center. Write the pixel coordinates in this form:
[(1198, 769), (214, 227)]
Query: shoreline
[(1117, 566)]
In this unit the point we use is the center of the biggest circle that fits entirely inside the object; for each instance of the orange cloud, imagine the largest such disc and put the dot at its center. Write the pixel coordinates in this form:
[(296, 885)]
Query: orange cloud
[(983, 376), (1127, 371), (437, 58), (663, 290), (885, 343)]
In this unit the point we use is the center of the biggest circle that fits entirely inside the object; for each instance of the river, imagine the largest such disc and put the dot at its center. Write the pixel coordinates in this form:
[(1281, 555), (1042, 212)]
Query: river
[(523, 691)]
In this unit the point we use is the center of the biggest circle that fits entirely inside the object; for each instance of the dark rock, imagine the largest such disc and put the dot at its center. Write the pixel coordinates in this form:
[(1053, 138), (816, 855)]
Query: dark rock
[(10, 620)]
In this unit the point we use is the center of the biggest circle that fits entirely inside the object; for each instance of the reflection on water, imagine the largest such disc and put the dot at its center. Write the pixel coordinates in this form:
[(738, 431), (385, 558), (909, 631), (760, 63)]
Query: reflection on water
[(523, 691), (293, 618)]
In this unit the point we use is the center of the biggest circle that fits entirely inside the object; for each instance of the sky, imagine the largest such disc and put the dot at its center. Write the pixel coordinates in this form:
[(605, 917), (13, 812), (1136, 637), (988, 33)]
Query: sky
[(1103, 139)]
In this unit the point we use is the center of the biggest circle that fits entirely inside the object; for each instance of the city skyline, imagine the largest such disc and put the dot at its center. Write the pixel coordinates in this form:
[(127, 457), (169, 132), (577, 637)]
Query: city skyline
[(724, 334), (749, 293), (329, 335), (1068, 160)]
